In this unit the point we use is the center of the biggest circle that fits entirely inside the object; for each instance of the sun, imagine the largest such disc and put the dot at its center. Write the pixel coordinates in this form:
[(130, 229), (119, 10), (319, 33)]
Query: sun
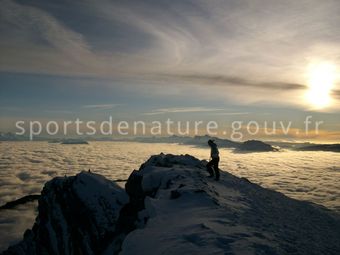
[(321, 77)]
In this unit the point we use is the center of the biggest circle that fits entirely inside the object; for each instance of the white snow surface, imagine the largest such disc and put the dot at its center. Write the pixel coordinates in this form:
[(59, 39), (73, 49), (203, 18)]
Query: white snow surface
[(189, 213), (100, 196)]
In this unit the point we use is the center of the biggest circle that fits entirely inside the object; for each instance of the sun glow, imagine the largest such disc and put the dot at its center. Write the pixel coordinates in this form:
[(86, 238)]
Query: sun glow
[(321, 77)]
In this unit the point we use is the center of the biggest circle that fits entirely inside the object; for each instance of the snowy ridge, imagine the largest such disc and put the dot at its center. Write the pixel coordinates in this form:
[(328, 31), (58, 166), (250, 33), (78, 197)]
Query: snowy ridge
[(191, 214), (169, 206)]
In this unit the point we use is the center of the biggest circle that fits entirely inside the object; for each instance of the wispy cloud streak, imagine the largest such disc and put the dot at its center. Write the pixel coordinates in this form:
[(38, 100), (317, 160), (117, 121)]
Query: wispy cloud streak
[(336, 94), (182, 110), (101, 106), (223, 80)]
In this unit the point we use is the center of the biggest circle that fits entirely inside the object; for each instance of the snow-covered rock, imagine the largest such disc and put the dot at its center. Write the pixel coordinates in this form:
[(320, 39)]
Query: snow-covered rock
[(188, 213), (77, 215), (171, 207)]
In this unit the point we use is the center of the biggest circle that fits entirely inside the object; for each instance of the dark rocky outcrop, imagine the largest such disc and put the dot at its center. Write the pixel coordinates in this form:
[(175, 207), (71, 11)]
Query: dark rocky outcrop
[(321, 147), (77, 215), (255, 146), (20, 201)]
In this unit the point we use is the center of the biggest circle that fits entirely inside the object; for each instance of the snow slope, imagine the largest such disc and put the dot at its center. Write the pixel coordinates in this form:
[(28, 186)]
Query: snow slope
[(169, 206), (192, 214)]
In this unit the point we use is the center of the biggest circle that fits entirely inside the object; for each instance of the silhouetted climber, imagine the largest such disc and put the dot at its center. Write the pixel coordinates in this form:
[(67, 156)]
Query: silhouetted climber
[(212, 166)]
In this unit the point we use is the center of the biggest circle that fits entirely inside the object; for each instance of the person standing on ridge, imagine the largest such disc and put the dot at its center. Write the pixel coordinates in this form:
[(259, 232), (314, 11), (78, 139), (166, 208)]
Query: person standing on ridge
[(212, 165)]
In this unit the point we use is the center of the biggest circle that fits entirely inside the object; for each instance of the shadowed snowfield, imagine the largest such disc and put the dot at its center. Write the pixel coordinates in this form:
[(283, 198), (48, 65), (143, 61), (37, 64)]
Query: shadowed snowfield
[(26, 166)]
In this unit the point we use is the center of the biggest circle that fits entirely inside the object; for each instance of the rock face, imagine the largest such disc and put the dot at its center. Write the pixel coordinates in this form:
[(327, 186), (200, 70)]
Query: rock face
[(171, 207), (77, 215)]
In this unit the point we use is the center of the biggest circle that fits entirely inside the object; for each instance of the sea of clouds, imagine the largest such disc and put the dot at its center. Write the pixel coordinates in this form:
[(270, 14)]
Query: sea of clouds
[(26, 166)]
